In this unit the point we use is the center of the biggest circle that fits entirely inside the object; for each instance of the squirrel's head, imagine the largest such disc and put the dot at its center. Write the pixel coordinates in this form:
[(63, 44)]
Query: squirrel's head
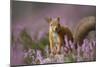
[(54, 24)]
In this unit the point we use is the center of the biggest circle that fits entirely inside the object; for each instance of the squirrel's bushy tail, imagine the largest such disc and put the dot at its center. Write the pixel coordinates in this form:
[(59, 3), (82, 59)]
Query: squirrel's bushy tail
[(85, 26)]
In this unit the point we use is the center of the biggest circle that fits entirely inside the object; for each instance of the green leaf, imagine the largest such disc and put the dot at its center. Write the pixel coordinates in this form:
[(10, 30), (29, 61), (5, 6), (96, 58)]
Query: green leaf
[(26, 40)]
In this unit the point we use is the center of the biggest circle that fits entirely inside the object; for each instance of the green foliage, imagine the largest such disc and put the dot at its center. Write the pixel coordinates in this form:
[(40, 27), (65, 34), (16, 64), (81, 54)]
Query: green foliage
[(27, 41), (70, 58), (43, 42)]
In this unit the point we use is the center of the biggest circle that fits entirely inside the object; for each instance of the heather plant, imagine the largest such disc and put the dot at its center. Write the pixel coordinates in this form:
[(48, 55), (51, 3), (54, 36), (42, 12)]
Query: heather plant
[(39, 52)]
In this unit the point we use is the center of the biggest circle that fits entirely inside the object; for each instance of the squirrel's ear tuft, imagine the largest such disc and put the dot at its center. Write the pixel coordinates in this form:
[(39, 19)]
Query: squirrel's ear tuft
[(48, 19), (58, 19)]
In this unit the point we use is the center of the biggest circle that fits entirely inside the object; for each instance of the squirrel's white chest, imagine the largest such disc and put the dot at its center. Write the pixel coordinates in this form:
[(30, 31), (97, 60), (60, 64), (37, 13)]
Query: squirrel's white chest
[(55, 38)]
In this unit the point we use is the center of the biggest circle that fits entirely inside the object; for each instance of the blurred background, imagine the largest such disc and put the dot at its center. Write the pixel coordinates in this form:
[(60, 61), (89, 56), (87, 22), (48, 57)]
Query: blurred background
[(29, 27)]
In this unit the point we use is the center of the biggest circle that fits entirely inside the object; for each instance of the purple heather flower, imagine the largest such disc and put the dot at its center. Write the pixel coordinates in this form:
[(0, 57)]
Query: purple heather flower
[(66, 49), (39, 56), (47, 60), (25, 54), (71, 44), (59, 58), (85, 45), (30, 52), (90, 45), (79, 50), (66, 43), (94, 43)]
